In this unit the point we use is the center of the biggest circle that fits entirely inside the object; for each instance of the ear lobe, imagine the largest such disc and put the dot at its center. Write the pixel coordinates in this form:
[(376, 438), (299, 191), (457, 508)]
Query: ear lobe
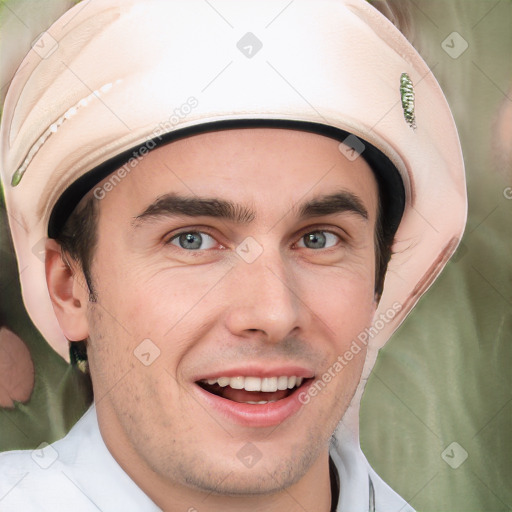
[(69, 297)]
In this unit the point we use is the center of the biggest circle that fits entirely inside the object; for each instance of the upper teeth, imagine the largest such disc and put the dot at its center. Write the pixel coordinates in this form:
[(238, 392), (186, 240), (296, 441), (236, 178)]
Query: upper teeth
[(267, 384)]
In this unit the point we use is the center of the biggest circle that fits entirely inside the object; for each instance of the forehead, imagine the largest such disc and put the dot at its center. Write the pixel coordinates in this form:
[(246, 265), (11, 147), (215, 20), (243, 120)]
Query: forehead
[(271, 169)]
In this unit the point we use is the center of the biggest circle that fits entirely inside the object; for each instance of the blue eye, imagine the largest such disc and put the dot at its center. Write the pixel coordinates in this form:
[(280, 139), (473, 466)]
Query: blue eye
[(193, 240), (318, 240)]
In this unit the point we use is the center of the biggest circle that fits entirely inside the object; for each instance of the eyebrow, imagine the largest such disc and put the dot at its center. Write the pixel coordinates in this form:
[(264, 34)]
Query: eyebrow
[(339, 202), (173, 204), (170, 205)]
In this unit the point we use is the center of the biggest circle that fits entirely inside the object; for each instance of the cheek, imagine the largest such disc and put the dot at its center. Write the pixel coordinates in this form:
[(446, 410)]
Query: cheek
[(343, 302), (169, 301), (174, 308)]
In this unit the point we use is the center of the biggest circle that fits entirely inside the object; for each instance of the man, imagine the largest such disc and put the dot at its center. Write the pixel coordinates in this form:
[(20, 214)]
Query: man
[(220, 211)]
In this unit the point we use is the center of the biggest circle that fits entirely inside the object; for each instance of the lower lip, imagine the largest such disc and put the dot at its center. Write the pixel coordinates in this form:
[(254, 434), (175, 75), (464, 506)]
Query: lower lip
[(254, 415)]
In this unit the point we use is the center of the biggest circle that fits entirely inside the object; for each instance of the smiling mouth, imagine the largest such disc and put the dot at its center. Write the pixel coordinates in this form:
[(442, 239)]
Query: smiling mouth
[(253, 390)]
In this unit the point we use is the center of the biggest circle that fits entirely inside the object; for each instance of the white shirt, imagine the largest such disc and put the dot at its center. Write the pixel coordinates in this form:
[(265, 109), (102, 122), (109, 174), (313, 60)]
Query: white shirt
[(79, 474)]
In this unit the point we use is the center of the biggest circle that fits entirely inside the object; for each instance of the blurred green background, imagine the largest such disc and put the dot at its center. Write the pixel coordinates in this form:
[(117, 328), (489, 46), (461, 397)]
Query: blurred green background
[(445, 377)]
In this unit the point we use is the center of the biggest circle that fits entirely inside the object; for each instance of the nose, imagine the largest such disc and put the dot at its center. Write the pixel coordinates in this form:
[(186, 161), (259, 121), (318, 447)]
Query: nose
[(265, 300)]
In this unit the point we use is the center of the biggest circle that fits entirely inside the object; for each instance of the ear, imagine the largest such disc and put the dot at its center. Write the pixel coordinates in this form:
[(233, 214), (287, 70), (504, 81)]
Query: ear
[(68, 292)]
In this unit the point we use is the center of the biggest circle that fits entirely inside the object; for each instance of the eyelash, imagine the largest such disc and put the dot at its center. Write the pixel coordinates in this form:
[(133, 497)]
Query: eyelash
[(205, 231)]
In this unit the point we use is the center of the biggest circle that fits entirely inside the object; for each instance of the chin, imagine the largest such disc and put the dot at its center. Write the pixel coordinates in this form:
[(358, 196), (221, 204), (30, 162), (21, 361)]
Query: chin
[(229, 477)]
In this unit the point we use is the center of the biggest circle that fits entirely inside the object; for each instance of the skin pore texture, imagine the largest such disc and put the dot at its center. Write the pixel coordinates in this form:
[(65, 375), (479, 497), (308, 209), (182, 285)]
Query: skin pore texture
[(212, 312)]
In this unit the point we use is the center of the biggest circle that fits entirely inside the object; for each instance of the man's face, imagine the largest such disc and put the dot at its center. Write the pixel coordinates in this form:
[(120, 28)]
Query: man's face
[(240, 253)]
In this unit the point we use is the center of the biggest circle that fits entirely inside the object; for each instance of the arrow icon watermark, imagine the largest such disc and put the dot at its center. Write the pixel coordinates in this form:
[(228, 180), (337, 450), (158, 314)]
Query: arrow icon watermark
[(454, 455), (147, 352), (454, 45), (249, 455), (249, 45), (249, 250)]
